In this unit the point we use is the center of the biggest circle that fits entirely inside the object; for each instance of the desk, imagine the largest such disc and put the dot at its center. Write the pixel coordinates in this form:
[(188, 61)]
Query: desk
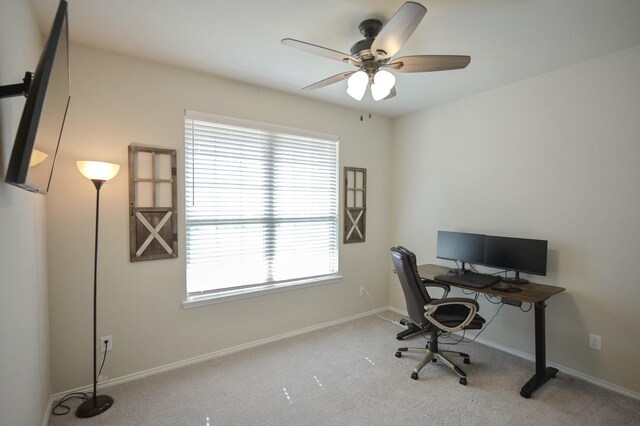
[(535, 294)]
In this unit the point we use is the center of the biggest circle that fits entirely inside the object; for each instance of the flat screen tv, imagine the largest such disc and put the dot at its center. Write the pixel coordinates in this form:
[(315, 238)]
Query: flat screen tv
[(516, 254), (461, 247), (40, 128)]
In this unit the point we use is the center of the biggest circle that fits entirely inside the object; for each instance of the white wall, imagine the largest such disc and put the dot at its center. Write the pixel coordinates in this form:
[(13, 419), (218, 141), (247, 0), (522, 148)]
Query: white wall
[(24, 322), (118, 100), (554, 157)]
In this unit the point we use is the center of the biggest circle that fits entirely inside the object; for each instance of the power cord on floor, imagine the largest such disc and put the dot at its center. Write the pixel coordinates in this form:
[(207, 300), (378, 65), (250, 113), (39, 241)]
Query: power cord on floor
[(396, 322), (61, 405), (72, 395)]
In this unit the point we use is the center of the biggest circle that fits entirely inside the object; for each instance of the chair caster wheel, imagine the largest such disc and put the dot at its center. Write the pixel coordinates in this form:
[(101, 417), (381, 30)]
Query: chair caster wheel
[(466, 361), (398, 354), (525, 394), (414, 376), (434, 360), (463, 381)]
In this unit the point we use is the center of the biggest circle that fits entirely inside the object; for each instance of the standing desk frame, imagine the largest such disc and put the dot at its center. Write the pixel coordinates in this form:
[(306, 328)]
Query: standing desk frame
[(536, 294)]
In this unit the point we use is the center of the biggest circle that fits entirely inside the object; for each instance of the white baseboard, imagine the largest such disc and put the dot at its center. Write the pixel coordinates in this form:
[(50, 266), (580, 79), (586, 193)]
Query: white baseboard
[(563, 369), (212, 355), (256, 343), (47, 412)]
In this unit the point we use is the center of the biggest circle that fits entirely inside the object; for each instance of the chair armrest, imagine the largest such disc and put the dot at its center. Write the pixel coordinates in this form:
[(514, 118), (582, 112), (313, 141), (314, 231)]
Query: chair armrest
[(455, 301), (444, 287), (432, 307)]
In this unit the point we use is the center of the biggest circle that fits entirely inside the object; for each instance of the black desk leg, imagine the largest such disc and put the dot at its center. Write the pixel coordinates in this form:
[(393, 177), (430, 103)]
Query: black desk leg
[(543, 373)]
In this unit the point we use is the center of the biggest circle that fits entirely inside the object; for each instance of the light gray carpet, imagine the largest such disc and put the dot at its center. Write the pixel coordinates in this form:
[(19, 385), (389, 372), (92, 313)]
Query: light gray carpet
[(348, 375)]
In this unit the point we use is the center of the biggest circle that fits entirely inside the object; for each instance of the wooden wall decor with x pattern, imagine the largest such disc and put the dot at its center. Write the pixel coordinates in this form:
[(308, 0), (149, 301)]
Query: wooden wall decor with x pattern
[(153, 219), (355, 204)]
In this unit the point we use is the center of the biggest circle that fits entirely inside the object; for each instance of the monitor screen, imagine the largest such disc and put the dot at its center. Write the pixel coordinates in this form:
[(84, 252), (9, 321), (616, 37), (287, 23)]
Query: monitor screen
[(460, 246), (516, 254)]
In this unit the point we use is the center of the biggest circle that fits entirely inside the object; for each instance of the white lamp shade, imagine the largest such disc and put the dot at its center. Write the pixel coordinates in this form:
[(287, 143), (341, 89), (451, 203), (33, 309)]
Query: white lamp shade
[(383, 82), (357, 85), (97, 170), (37, 157)]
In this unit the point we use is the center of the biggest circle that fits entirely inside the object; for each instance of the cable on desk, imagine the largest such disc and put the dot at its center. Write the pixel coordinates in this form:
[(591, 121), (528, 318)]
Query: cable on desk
[(457, 265), (473, 268)]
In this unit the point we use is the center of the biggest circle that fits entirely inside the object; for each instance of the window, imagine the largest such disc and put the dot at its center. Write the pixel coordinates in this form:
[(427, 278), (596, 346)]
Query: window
[(261, 206)]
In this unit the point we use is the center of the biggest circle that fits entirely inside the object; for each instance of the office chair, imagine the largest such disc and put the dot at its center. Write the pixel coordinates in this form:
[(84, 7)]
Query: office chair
[(435, 316), (414, 328)]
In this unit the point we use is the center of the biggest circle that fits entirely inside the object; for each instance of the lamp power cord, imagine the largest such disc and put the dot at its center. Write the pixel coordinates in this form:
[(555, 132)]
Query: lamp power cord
[(60, 408)]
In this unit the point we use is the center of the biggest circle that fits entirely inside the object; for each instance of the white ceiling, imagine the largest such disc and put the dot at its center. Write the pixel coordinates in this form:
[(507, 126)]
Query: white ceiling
[(508, 40)]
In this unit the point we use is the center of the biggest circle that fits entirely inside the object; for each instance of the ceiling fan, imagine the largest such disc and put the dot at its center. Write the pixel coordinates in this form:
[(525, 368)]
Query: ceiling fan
[(373, 55)]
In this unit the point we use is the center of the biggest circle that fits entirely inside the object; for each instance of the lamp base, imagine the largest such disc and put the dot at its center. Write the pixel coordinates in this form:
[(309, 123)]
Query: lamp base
[(94, 406)]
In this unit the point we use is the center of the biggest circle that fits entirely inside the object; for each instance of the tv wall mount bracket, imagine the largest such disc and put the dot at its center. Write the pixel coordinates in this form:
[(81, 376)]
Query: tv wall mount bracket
[(17, 89)]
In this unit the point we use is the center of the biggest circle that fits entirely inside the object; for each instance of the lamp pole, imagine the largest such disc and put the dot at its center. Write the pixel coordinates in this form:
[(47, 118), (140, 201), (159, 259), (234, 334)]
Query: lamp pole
[(96, 404)]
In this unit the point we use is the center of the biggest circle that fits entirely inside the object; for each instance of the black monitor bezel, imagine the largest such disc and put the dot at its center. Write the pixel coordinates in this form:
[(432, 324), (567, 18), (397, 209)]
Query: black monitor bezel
[(474, 261), (488, 239), (18, 169)]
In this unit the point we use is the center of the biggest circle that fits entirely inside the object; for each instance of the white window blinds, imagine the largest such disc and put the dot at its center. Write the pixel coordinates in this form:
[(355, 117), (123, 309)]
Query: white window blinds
[(261, 204)]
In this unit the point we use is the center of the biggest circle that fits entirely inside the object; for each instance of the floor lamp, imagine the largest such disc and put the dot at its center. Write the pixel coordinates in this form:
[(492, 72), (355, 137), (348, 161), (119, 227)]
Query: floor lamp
[(98, 172)]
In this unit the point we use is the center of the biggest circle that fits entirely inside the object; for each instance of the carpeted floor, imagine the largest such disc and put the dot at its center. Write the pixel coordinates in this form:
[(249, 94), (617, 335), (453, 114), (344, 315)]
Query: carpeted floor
[(348, 375)]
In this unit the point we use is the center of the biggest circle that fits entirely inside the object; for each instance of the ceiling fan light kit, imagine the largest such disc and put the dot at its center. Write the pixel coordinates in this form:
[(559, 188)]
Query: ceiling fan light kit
[(357, 85), (374, 53), (383, 82)]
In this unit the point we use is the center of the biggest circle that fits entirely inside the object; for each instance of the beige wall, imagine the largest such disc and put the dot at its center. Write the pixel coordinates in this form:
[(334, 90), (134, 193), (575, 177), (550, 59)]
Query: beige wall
[(116, 101), (24, 326), (553, 157)]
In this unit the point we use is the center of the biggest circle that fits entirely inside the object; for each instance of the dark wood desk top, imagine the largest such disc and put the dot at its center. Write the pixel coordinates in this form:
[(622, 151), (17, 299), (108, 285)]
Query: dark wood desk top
[(530, 293)]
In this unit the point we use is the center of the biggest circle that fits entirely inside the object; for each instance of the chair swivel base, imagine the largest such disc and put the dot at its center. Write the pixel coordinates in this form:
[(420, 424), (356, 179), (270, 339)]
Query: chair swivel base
[(435, 356), (94, 406), (412, 330)]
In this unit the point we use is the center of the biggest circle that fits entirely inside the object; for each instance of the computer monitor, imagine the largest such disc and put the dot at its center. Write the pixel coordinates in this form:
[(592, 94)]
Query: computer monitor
[(516, 254), (460, 246)]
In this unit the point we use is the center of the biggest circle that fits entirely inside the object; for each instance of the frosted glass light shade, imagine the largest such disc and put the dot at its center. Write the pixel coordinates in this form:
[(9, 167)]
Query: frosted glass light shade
[(383, 82), (37, 157), (357, 84), (97, 170)]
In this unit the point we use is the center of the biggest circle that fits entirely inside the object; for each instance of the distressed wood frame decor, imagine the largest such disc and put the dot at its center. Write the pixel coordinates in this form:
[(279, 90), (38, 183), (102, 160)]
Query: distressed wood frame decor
[(355, 204), (153, 215)]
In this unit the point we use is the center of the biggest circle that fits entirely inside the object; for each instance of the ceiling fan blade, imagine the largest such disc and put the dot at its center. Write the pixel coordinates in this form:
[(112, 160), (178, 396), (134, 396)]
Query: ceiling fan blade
[(327, 81), (318, 50), (424, 63), (398, 30), (391, 94)]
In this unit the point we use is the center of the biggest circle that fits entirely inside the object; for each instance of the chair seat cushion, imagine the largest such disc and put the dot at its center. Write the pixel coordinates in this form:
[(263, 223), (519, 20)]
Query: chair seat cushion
[(452, 315)]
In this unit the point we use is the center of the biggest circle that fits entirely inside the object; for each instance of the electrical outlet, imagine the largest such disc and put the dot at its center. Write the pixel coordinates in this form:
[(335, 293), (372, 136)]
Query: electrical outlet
[(595, 342), (109, 340), (362, 291)]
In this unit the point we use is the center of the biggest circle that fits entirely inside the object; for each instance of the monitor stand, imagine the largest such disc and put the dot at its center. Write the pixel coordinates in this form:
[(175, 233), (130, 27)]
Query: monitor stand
[(458, 271), (516, 279)]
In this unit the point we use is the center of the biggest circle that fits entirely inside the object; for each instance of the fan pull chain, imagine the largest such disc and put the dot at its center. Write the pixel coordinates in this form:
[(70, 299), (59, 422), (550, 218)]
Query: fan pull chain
[(369, 114)]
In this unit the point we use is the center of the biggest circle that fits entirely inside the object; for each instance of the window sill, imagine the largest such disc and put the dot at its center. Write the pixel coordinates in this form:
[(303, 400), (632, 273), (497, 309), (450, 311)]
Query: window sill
[(227, 296)]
